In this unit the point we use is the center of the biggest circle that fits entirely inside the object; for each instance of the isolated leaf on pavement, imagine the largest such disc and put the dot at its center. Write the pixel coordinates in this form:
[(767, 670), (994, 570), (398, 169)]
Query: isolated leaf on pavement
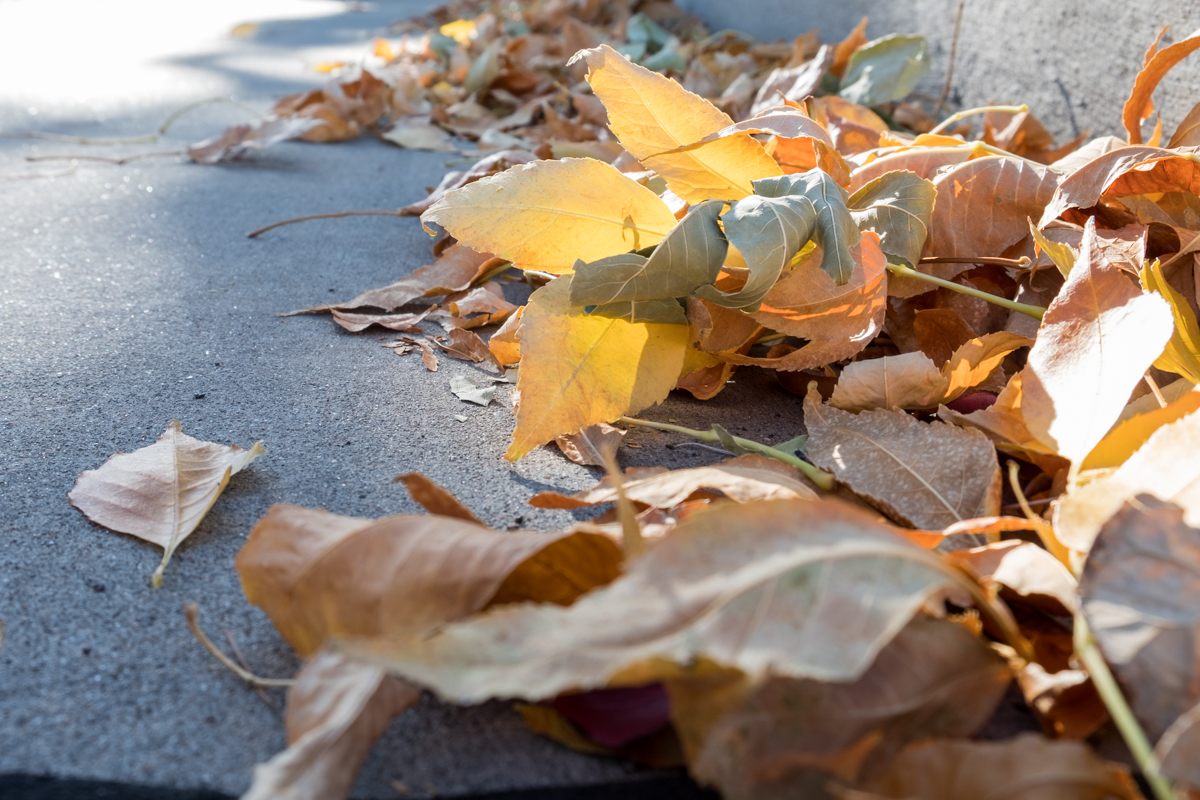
[(1097, 339), (745, 479), (336, 711), (235, 142), (479, 391), (547, 214), (898, 206), (467, 346), (592, 446), (926, 475), (689, 257), (1140, 593), (162, 492), (579, 370), (636, 100), (434, 498), (788, 738), (1028, 766), (319, 575), (884, 70), (771, 587)]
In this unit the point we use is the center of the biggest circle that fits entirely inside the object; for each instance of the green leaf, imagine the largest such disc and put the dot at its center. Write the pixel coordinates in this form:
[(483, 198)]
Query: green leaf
[(689, 257), (667, 312), (768, 231), (836, 231), (727, 441), (886, 69), (898, 206)]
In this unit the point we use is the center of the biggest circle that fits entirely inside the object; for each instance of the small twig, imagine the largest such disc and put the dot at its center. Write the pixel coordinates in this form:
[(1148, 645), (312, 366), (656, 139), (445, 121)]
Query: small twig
[(1017, 263), (175, 115), (1037, 312), (1088, 651), (58, 137), (970, 112), (237, 652), (192, 611), (106, 159), (820, 477), (1158, 395), (1043, 530), (333, 215), (953, 54), (24, 176)]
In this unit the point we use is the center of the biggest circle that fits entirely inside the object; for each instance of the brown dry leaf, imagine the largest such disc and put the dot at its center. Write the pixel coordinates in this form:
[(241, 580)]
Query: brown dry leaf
[(1028, 574), (396, 322), (1188, 132), (1178, 751), (1097, 339), (466, 345), (925, 475), (1084, 187), (845, 48), (240, 139), (1066, 702), (910, 380), (1140, 593), (428, 357), (162, 492), (592, 446), (635, 96), (793, 83), (745, 479), (546, 215), (319, 575), (925, 162), (579, 370), (939, 332), (771, 587), (505, 343), (971, 364), (786, 738), (336, 711), (1027, 766), (434, 498), (487, 300), (1138, 107), (1003, 423)]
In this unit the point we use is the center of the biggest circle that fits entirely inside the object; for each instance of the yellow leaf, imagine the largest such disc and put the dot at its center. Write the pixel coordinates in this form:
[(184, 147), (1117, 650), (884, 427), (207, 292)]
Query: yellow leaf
[(1125, 439), (546, 214), (975, 360), (578, 370), (1182, 355), (652, 114)]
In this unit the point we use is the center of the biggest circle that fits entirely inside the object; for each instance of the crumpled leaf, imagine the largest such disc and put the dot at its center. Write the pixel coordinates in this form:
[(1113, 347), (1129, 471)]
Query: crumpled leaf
[(1097, 339), (898, 206), (836, 231), (745, 479), (1138, 106), (1028, 766), (162, 492), (235, 142), (1140, 593), (319, 575), (1087, 183), (397, 322), (505, 343), (787, 738), (336, 711), (545, 215), (794, 83), (634, 98), (884, 70), (479, 391), (592, 446), (434, 498), (793, 577), (1026, 573), (925, 475), (689, 257), (466, 345), (579, 370), (768, 232), (924, 162)]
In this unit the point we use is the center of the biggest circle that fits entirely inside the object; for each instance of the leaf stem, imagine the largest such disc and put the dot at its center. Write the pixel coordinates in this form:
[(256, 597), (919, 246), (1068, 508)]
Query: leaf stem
[(1037, 312), (332, 215), (820, 477), (1135, 738), (1017, 263), (192, 612), (970, 112), (1043, 530), (175, 115), (59, 137)]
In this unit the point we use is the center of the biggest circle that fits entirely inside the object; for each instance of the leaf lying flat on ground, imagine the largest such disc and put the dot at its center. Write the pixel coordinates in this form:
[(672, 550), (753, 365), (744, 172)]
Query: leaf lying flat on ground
[(319, 575), (1140, 592), (769, 587), (396, 322), (579, 370), (160, 493), (479, 391), (1029, 766), (235, 142), (927, 475), (1097, 339), (434, 498), (336, 711), (467, 346), (636, 98), (744, 479), (592, 446), (546, 215), (789, 738)]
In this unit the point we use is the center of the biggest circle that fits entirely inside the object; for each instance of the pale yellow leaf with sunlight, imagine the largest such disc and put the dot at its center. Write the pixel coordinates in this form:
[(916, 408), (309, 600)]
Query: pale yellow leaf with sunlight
[(1128, 436), (545, 215), (971, 363), (162, 492), (579, 370), (1099, 336), (652, 114)]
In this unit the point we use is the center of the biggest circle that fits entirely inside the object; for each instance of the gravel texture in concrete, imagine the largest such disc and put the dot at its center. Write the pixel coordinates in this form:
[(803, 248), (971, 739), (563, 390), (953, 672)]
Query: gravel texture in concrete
[(131, 297)]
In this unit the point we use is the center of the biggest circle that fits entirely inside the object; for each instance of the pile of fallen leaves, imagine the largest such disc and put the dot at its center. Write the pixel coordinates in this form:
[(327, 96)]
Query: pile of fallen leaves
[(834, 616)]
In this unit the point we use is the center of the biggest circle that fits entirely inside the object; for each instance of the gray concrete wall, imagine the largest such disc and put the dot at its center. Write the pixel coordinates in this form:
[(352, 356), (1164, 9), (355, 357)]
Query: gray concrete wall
[(1072, 61)]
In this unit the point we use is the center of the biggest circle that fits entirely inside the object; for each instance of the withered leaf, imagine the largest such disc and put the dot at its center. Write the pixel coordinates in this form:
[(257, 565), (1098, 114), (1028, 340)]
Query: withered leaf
[(1087, 183), (1138, 106), (466, 345), (479, 391), (793, 577), (396, 322), (235, 142), (434, 498), (1029, 574), (939, 332), (909, 380), (162, 492), (592, 446), (926, 475)]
